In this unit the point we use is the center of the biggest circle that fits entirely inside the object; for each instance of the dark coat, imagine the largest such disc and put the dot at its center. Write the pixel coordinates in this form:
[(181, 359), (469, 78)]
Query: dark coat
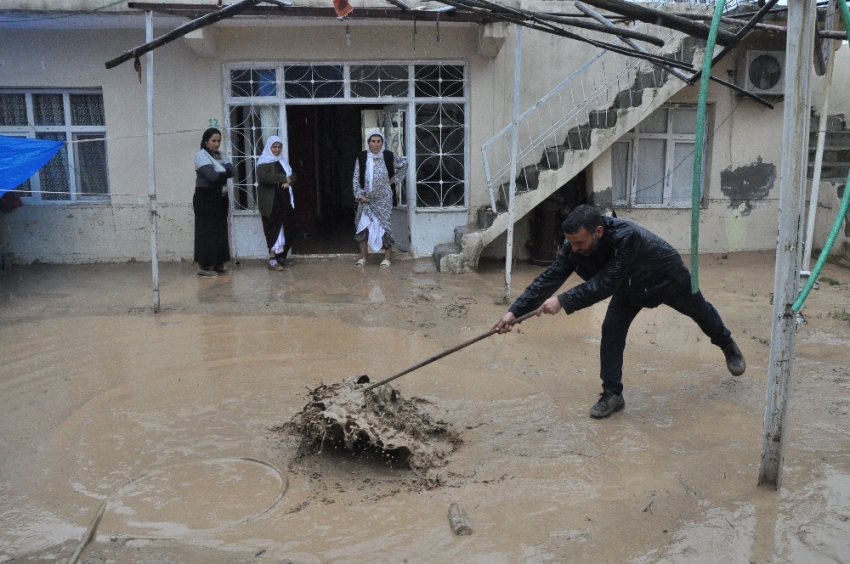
[(269, 178), (629, 261)]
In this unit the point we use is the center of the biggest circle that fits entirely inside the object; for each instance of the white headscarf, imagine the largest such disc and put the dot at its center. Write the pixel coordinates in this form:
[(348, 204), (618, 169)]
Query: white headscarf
[(372, 157), (268, 156)]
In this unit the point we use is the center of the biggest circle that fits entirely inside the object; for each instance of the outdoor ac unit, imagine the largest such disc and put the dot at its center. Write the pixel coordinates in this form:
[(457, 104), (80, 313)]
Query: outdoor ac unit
[(765, 72)]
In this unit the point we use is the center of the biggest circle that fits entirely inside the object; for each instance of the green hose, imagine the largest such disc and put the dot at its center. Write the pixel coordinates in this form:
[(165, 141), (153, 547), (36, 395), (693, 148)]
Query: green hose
[(842, 210), (698, 142)]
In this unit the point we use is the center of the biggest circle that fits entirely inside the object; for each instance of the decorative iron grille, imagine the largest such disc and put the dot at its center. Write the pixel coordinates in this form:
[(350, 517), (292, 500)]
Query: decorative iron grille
[(435, 94)]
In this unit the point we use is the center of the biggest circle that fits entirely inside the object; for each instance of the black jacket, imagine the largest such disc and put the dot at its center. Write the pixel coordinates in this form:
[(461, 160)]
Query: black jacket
[(629, 261)]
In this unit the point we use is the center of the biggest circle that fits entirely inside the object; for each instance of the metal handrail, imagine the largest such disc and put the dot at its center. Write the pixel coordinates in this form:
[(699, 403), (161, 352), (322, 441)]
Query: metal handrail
[(562, 108)]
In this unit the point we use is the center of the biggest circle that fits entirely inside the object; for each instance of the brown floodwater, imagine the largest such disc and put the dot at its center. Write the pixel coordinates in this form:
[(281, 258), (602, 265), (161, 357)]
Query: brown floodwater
[(171, 420)]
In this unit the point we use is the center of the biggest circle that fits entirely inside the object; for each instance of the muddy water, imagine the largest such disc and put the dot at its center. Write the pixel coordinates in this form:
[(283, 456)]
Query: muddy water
[(168, 418)]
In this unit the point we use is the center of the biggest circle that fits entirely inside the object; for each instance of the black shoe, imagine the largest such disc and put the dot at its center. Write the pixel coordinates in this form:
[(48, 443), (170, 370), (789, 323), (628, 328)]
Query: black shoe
[(734, 359), (221, 269), (608, 403), (207, 273)]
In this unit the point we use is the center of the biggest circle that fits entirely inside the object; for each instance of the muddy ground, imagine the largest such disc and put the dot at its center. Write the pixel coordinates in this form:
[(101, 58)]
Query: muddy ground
[(168, 418)]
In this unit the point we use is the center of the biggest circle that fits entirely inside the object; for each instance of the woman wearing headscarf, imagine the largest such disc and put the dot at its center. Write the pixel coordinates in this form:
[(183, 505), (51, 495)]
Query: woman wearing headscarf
[(375, 171), (276, 202), (211, 205)]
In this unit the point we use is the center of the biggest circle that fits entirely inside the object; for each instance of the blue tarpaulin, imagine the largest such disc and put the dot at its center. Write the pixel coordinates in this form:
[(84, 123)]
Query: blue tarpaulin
[(20, 158)]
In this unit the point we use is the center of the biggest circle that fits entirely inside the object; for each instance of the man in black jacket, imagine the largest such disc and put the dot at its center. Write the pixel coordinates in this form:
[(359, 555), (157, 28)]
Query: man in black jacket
[(636, 269)]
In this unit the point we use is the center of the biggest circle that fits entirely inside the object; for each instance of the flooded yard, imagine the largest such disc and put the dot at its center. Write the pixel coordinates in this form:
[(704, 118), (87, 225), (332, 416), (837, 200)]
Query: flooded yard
[(171, 422)]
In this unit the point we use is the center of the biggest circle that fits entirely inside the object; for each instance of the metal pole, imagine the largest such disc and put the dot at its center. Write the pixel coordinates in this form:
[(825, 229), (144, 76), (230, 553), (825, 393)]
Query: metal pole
[(795, 136), (151, 168), (509, 251), (813, 201)]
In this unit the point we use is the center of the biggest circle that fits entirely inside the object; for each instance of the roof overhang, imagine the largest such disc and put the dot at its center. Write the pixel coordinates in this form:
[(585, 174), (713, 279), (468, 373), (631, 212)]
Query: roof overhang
[(193, 11)]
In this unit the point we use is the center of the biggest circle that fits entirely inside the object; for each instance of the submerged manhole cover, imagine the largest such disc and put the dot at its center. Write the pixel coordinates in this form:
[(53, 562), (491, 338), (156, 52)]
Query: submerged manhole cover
[(193, 498)]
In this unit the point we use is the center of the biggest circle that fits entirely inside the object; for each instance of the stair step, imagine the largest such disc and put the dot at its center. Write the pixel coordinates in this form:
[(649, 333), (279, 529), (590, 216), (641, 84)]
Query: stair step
[(553, 158), (833, 138), (529, 179), (827, 147), (833, 123), (445, 249), (653, 78), (830, 170), (462, 230), (631, 98), (603, 119), (578, 138), (833, 155)]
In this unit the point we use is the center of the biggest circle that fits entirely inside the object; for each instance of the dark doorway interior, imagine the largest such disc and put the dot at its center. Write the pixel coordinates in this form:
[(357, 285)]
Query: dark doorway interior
[(323, 145)]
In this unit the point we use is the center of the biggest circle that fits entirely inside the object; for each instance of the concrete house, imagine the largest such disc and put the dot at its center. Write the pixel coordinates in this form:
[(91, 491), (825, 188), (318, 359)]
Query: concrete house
[(595, 126)]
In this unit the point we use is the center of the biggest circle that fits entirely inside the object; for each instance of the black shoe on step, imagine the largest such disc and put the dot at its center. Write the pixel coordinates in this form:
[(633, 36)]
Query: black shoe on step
[(608, 403)]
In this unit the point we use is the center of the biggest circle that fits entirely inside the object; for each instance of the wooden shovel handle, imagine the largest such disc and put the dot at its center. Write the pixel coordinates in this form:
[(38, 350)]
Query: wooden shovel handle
[(447, 352)]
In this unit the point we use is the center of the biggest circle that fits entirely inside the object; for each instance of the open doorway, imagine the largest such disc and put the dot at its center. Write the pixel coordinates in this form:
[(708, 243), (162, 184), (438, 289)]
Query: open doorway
[(323, 142)]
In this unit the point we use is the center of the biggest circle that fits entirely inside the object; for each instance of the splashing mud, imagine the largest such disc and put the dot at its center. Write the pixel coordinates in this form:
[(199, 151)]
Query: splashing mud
[(345, 414)]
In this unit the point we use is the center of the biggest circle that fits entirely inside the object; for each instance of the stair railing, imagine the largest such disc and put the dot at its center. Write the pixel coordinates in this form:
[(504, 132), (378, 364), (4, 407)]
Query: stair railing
[(562, 119)]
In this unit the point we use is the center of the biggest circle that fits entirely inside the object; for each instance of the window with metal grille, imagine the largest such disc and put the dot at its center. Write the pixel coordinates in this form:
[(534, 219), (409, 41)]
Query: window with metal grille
[(78, 172)]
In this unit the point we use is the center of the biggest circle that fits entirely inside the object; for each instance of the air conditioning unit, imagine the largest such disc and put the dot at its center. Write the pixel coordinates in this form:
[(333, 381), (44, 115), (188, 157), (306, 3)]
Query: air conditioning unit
[(765, 72)]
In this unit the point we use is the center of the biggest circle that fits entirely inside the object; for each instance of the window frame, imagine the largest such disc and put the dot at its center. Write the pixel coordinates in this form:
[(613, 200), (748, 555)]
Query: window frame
[(633, 140), (69, 131)]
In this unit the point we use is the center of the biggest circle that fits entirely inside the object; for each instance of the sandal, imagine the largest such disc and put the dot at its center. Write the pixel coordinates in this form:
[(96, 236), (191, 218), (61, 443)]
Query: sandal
[(385, 263), (360, 263)]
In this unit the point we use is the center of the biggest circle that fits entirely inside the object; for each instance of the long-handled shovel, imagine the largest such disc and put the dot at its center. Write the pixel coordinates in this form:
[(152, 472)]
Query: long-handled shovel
[(447, 352)]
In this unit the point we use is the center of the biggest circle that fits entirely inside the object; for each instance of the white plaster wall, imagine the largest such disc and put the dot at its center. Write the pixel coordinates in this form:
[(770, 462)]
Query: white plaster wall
[(188, 93)]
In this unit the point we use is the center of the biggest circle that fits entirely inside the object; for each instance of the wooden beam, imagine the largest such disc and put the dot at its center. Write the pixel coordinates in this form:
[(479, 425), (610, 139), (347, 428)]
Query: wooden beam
[(620, 32), (675, 72), (203, 21), (660, 18), (738, 22), (546, 27)]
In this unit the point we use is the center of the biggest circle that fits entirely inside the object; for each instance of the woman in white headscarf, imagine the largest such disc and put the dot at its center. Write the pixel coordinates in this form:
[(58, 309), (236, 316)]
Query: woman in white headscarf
[(276, 202), (375, 171)]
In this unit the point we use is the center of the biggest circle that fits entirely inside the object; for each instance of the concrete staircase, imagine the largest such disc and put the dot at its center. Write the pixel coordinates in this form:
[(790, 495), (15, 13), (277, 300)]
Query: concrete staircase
[(834, 169), (836, 150), (567, 148)]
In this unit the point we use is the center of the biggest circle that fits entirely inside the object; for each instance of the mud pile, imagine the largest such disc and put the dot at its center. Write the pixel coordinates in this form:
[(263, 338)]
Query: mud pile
[(343, 414)]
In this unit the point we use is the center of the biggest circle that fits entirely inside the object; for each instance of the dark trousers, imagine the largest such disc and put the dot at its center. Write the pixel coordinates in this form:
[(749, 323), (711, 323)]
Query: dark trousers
[(212, 248), (282, 215), (620, 315)]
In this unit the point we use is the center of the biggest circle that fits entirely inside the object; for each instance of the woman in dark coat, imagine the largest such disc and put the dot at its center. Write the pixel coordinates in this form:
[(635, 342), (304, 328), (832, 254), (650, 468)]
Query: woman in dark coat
[(211, 204), (276, 202)]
